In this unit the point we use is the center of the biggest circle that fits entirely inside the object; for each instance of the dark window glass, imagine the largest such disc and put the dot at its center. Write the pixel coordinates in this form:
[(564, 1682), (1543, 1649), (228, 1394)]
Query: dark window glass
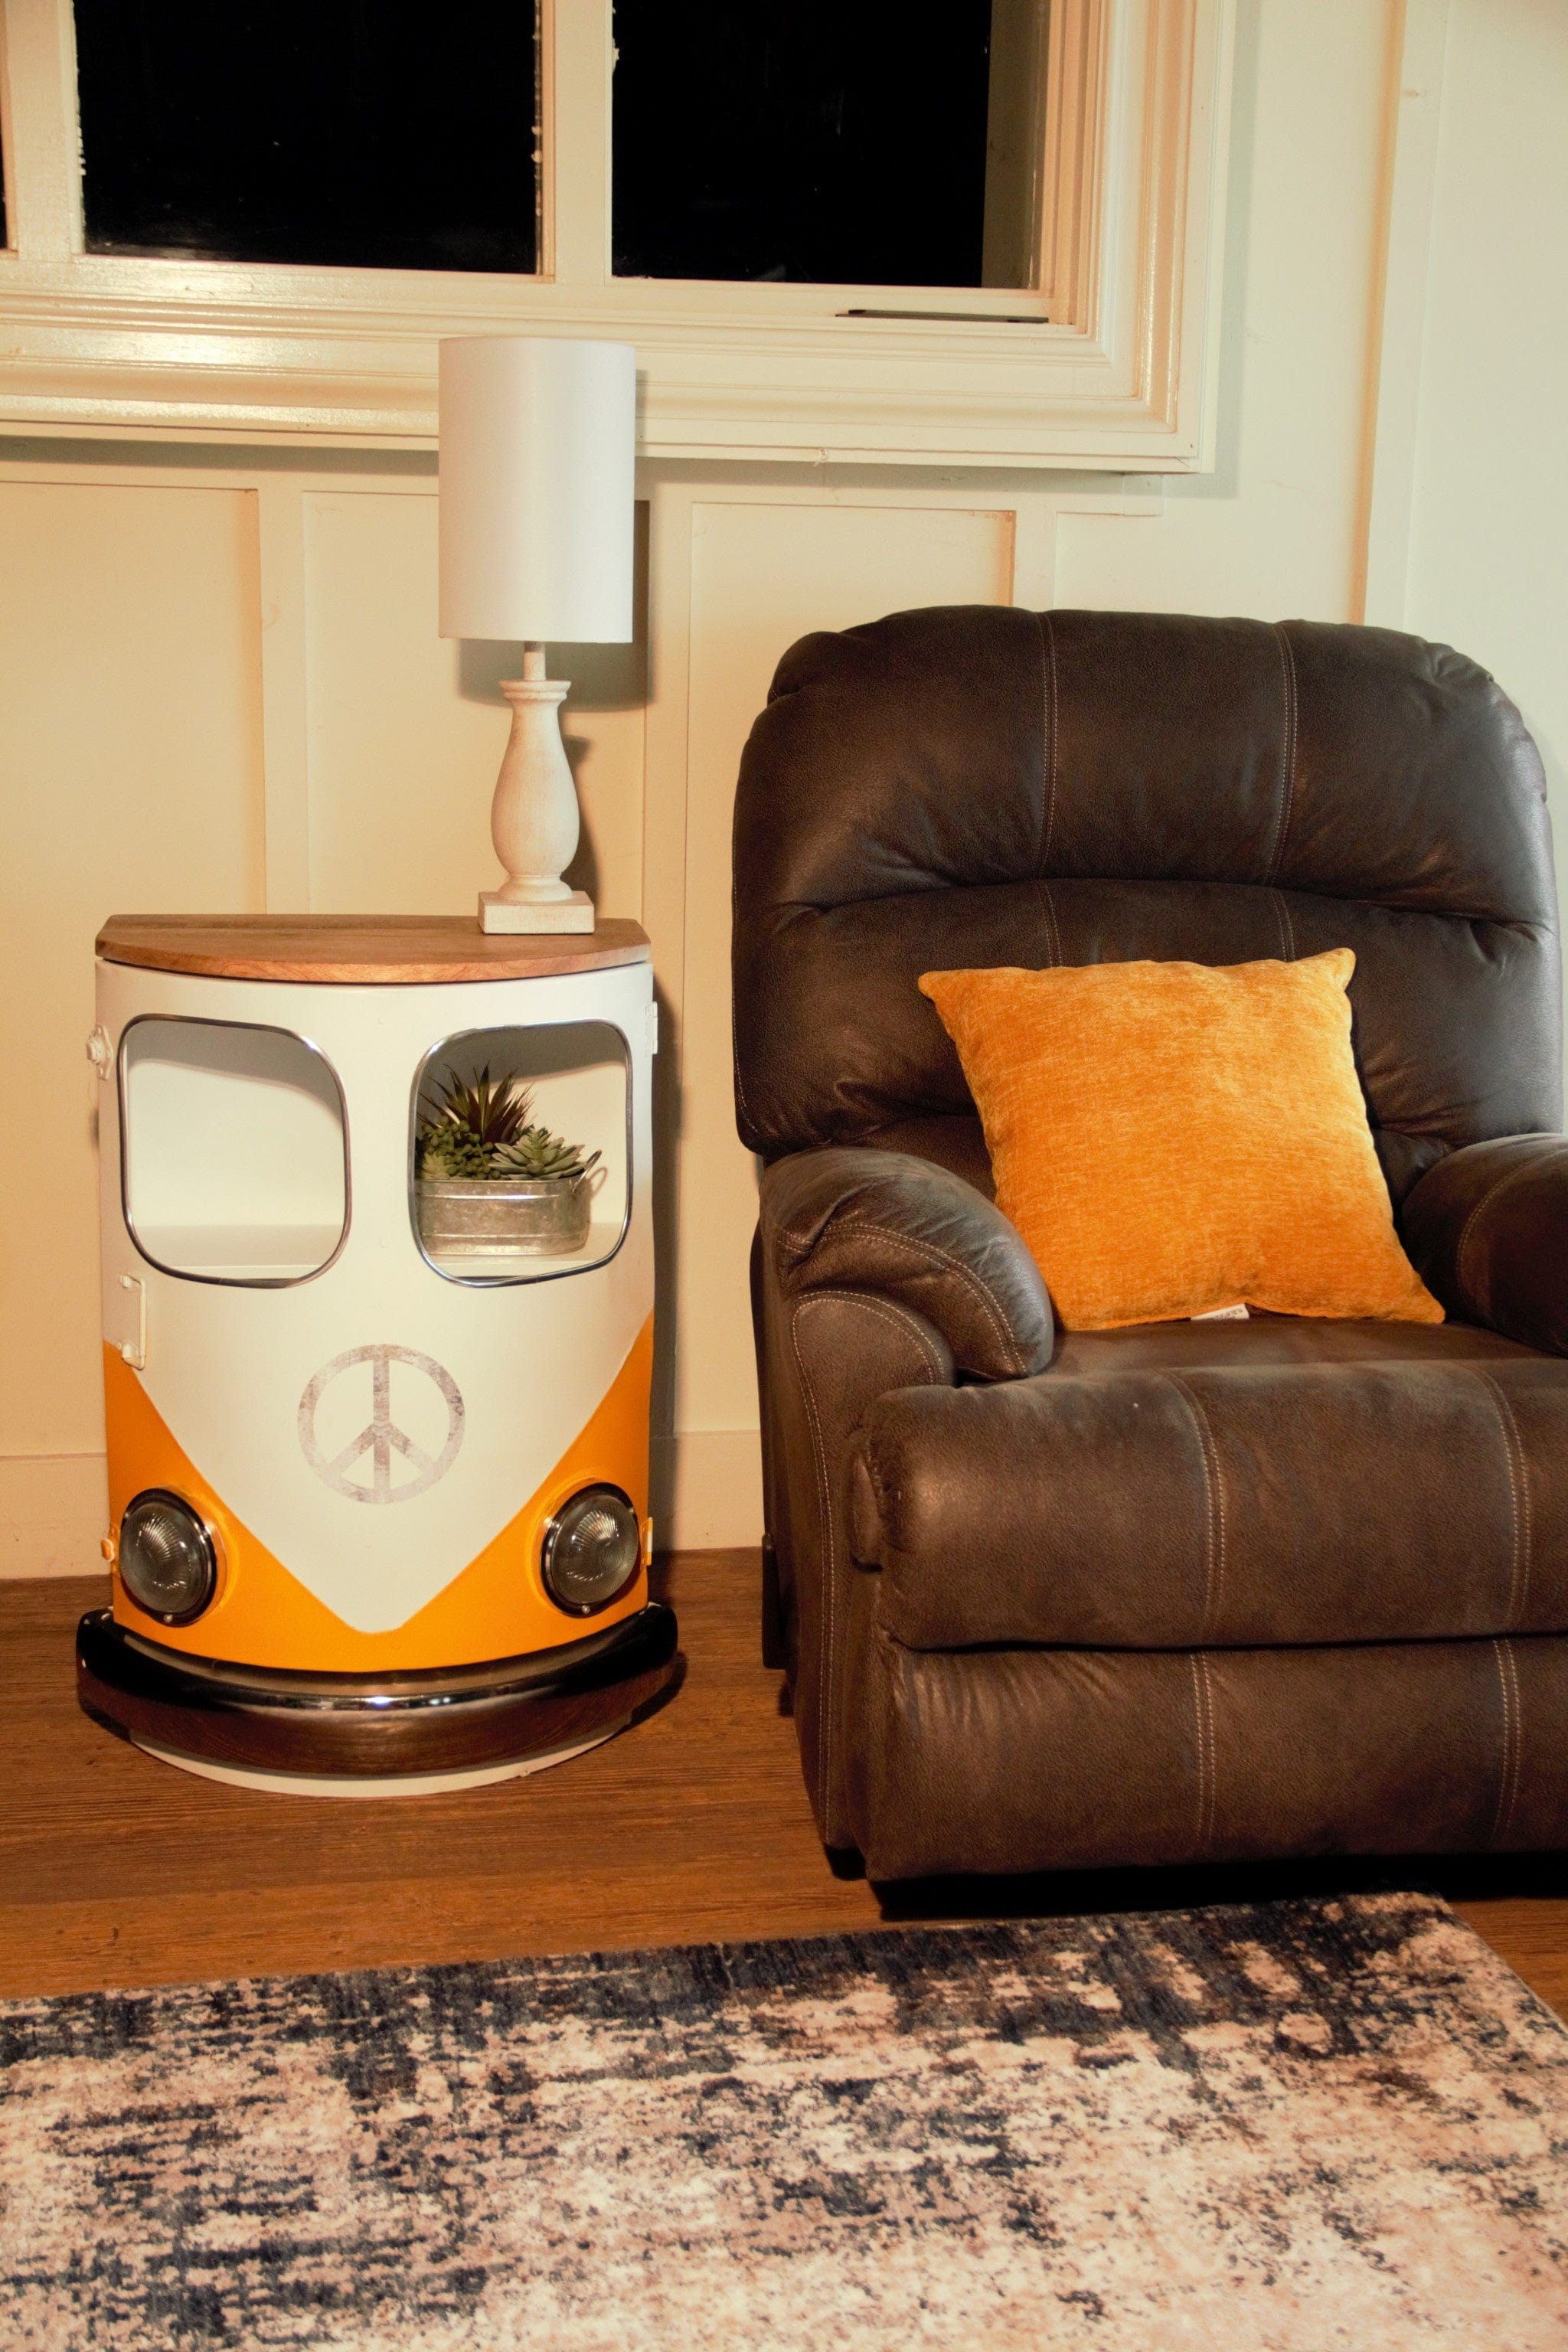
[(834, 142), (311, 130)]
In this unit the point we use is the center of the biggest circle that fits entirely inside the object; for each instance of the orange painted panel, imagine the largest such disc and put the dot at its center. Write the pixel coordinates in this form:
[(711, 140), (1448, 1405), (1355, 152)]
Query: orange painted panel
[(497, 1607)]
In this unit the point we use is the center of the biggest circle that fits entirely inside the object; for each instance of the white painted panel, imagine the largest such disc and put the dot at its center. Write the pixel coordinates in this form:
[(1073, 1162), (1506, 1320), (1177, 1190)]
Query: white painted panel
[(129, 781), (406, 730), (1490, 492), (762, 576), (1276, 531)]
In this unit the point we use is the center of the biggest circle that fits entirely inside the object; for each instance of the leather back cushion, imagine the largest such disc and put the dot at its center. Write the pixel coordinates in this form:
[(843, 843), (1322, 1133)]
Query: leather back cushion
[(974, 784)]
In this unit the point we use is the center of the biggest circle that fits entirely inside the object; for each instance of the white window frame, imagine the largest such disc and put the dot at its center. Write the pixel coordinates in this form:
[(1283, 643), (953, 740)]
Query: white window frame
[(1108, 362)]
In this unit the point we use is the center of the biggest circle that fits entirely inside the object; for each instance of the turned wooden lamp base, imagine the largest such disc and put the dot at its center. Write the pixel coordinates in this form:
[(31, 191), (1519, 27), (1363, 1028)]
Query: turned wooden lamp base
[(533, 817)]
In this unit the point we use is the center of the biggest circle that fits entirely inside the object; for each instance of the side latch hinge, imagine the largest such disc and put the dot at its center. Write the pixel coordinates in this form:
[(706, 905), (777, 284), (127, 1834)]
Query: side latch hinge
[(130, 1335)]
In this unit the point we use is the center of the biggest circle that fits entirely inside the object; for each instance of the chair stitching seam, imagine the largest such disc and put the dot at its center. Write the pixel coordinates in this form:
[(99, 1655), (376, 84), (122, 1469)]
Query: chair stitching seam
[(892, 1311), (1287, 928), (1214, 1508), (1048, 725), (1197, 1740), (1214, 1759), (1500, 1184), (989, 1306), (1053, 927), (1519, 1496), (1287, 754), (735, 1067), (825, 1512), (1508, 1773), (827, 1659), (795, 1244), (1198, 1667), (1518, 1738)]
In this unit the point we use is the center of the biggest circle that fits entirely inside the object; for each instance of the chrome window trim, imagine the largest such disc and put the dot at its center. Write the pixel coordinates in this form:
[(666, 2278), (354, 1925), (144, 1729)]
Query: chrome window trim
[(562, 1273)]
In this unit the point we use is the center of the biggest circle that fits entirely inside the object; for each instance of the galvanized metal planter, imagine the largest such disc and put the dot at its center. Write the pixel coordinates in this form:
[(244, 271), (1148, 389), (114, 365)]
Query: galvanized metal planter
[(539, 1217)]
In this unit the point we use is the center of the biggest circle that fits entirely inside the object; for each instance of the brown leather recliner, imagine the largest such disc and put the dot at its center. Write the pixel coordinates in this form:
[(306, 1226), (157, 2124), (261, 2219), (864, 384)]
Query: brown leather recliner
[(1042, 1605)]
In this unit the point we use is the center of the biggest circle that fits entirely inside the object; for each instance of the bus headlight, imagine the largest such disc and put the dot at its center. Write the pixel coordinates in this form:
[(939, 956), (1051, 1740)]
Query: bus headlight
[(168, 1560), (592, 1550)]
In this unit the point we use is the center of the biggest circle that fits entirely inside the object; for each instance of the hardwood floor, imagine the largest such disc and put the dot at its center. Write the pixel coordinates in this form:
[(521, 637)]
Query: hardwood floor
[(116, 1870)]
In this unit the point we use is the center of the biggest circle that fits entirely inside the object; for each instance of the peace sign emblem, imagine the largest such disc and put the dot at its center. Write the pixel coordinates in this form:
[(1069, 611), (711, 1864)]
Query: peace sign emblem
[(428, 1399)]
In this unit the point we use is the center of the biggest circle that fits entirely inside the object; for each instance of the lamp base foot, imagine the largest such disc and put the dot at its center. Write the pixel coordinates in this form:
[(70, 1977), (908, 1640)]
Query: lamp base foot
[(535, 915)]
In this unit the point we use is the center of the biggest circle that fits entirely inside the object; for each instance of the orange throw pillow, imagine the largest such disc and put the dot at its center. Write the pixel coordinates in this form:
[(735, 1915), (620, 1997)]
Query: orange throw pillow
[(1172, 1137)]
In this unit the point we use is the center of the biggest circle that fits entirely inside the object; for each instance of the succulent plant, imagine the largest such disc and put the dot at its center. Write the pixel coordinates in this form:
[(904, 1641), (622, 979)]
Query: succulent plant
[(478, 1130), (537, 1152)]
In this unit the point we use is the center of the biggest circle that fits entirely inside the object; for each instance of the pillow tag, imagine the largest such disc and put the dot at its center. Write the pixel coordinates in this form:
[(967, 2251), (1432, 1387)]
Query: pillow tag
[(1222, 1314)]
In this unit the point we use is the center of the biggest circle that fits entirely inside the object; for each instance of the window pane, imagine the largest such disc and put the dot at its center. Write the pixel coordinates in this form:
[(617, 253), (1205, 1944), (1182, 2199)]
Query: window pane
[(831, 142), (311, 130)]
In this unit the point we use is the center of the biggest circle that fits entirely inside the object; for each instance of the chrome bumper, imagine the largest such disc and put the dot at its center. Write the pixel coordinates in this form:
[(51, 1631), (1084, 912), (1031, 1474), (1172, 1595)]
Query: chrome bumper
[(372, 1727)]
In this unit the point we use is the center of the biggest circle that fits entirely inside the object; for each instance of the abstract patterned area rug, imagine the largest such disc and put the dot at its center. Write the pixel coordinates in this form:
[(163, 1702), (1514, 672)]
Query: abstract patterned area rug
[(1251, 2128)]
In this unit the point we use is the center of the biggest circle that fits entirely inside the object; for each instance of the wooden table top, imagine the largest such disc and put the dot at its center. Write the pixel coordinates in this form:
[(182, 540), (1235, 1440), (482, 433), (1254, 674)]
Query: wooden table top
[(380, 949)]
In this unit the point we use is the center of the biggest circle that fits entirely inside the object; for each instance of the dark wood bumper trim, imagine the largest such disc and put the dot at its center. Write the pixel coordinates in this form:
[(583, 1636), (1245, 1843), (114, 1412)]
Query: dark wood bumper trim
[(373, 1725)]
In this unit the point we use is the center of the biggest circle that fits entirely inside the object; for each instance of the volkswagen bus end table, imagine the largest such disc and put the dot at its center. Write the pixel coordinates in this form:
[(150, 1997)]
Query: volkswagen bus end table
[(378, 1482)]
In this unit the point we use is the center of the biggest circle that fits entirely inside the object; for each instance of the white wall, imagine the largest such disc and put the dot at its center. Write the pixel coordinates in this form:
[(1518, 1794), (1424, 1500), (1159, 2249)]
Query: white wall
[(1488, 542), (1278, 531), (130, 774), (220, 684)]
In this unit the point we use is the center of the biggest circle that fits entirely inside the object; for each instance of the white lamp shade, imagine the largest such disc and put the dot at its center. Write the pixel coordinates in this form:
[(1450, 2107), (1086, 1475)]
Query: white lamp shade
[(538, 478)]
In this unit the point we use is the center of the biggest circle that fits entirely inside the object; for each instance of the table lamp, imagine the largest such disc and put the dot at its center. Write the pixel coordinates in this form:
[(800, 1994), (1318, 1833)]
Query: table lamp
[(538, 443)]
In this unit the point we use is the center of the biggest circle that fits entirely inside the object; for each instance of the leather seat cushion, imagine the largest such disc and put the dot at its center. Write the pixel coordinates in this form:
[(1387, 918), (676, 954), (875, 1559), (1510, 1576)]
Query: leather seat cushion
[(1274, 1483), (1080, 1759)]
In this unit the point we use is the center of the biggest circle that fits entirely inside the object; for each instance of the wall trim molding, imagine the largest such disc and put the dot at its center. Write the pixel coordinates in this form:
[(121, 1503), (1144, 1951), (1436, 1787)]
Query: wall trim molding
[(1415, 100), (713, 1482), (54, 1509)]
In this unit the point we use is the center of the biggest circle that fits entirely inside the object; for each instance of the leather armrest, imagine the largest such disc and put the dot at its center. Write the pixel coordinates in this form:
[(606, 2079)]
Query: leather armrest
[(1487, 1230), (856, 1218)]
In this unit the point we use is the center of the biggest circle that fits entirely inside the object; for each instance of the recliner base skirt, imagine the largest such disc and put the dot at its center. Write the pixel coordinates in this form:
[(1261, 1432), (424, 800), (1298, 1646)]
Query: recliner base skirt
[(1035, 1759)]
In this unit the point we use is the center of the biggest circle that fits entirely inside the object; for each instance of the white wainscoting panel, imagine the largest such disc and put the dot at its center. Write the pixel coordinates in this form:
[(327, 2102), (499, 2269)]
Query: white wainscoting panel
[(130, 759), (739, 572), (406, 730)]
